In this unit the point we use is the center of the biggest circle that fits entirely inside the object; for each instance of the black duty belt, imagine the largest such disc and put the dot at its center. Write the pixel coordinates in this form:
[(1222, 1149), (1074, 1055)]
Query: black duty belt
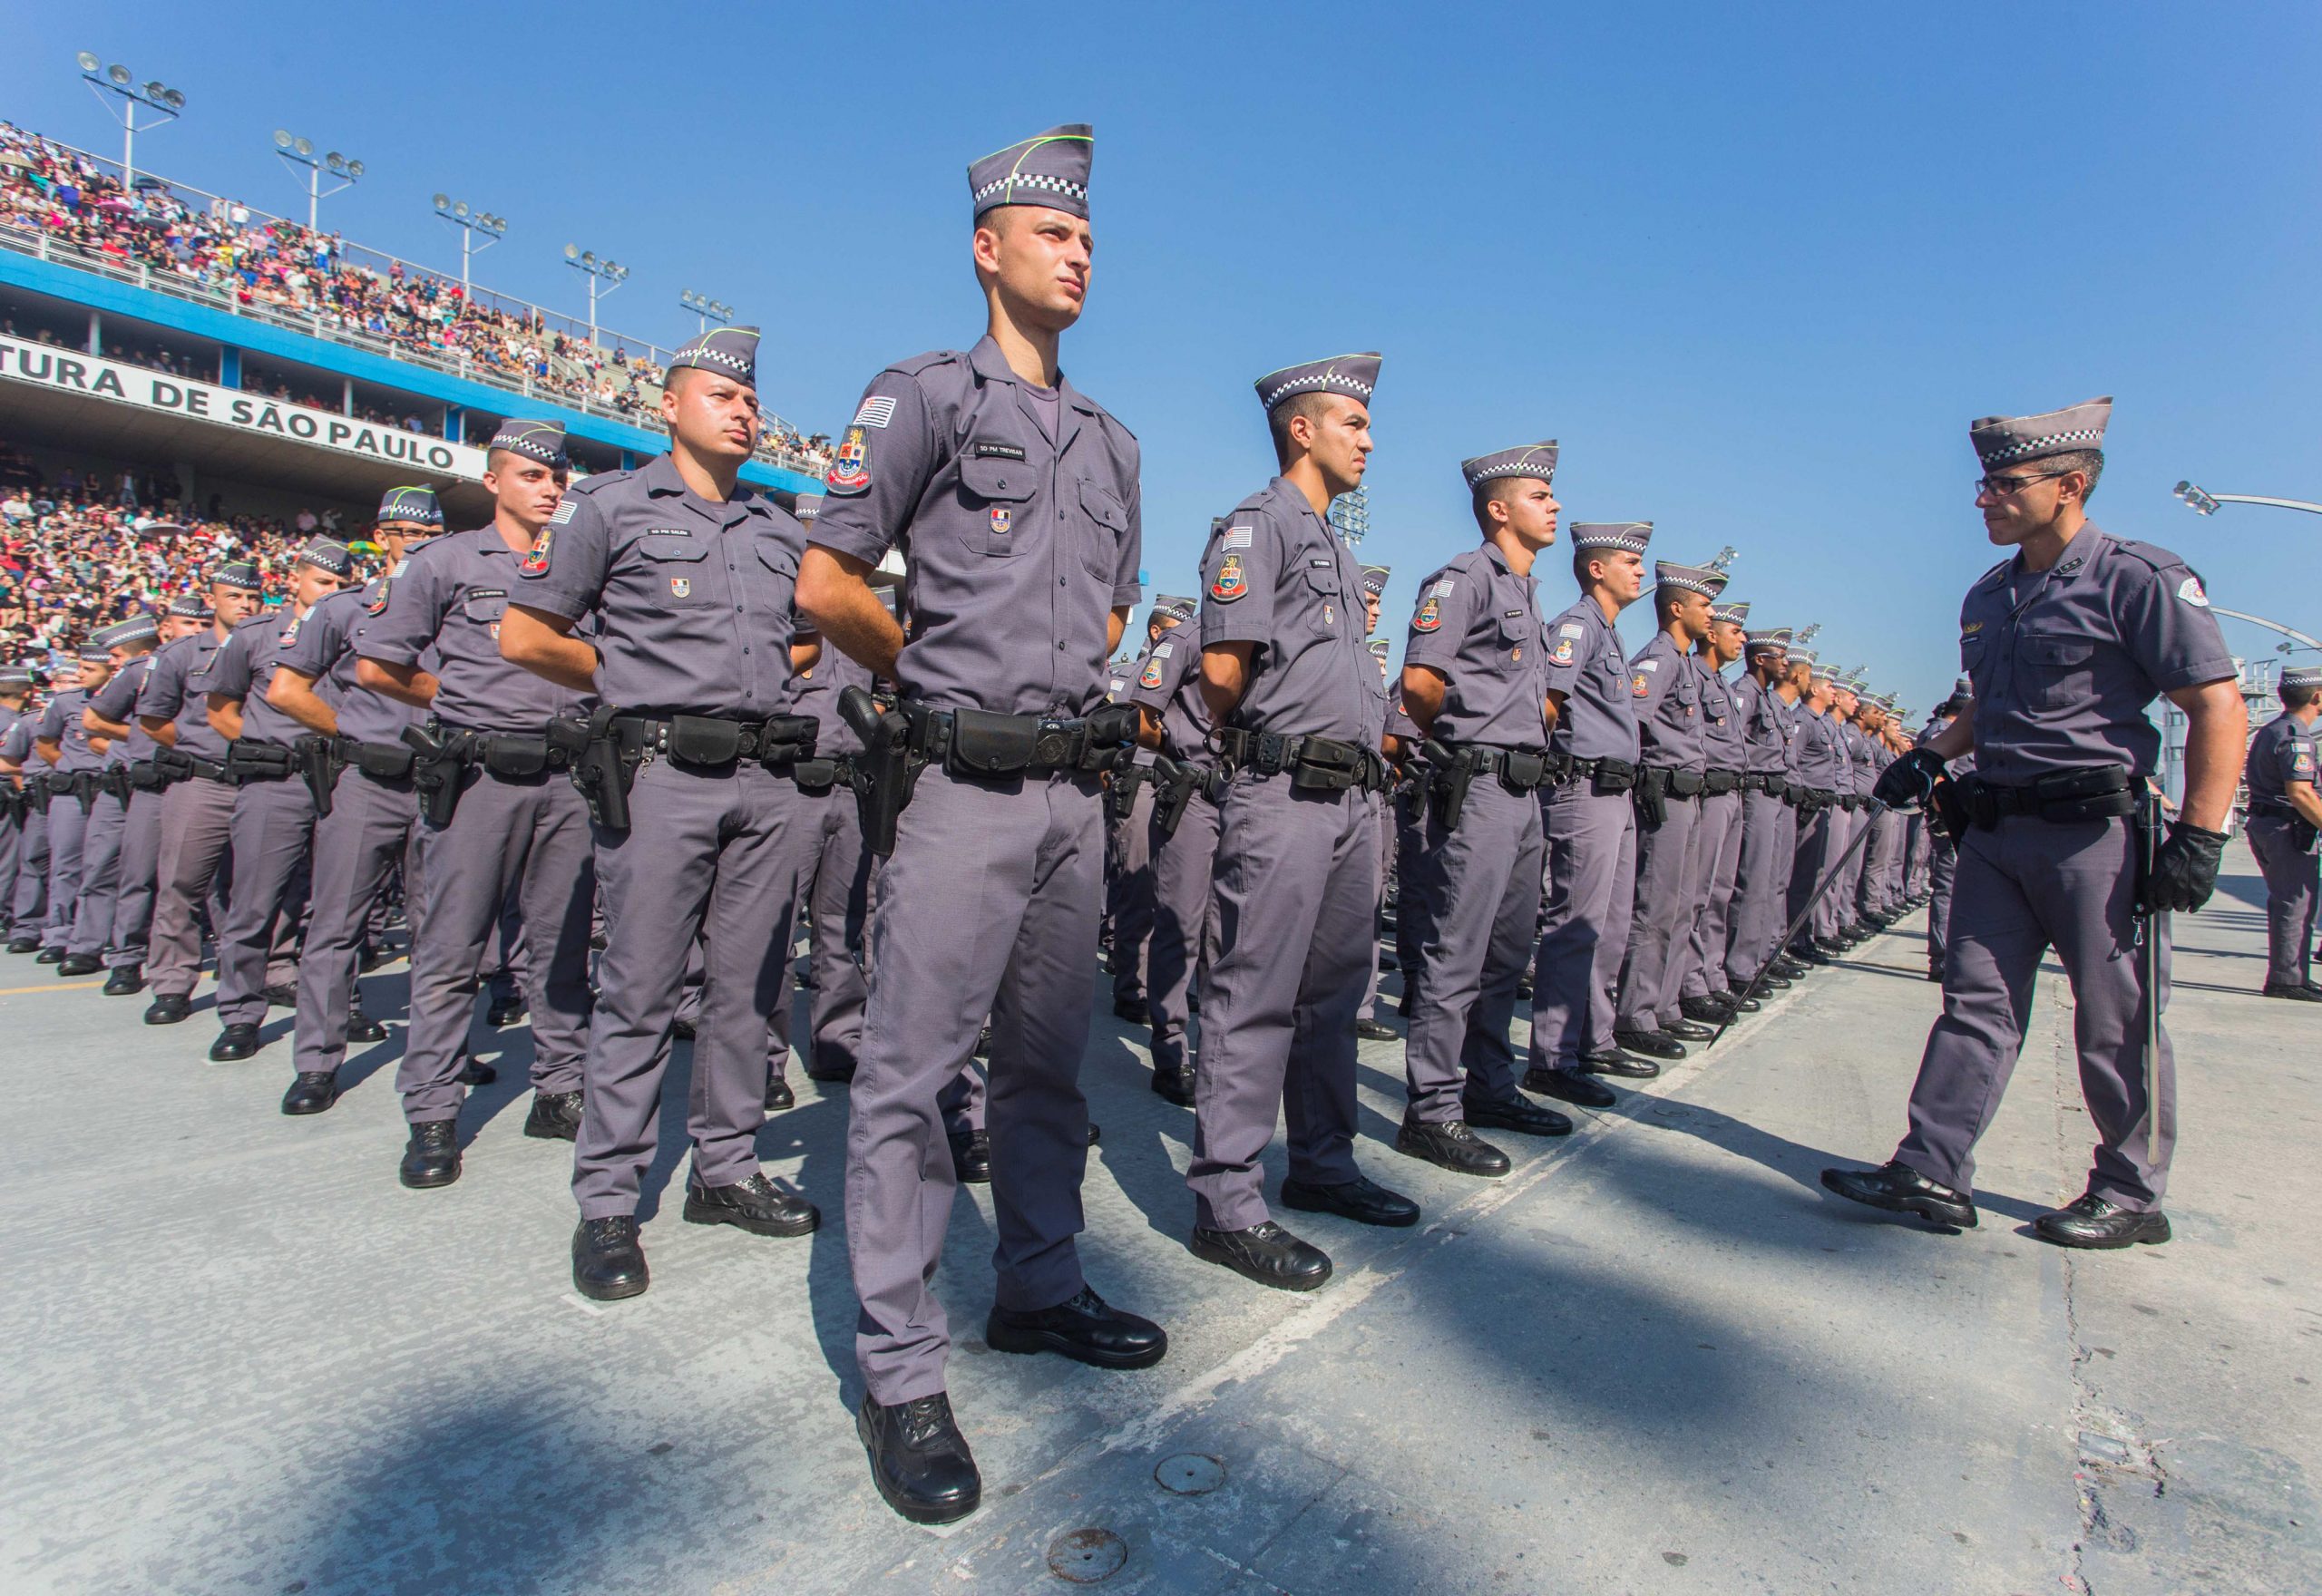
[(1608, 773), (981, 744), (386, 762), (2061, 797), (708, 741), (176, 765), (1677, 782), (1315, 763), (248, 760), (1717, 782), (512, 756), (1764, 781), (1520, 770)]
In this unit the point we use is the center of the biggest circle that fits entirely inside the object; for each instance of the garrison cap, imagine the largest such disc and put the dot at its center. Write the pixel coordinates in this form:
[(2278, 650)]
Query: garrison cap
[(730, 352), (1631, 535), (1691, 579), (16, 675), (1049, 168), (1773, 641), (1374, 580), (239, 573), (2301, 675), (190, 606), (1733, 614), (137, 629), (93, 653), (1377, 646), (416, 505), (1965, 687), (1805, 656), (1354, 375), (1175, 606), (2002, 440), (808, 507), (1533, 459), (535, 440), (328, 554)]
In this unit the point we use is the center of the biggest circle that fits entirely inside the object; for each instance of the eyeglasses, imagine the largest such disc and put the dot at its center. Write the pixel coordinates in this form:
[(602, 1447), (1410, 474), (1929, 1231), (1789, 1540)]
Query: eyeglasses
[(2004, 485)]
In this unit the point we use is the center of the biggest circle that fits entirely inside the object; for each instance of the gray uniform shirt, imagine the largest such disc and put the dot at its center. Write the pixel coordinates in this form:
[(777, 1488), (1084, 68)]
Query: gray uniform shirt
[(1479, 625), (1277, 575), (1169, 682), (1668, 693), (172, 691), (2280, 754), (60, 723), (117, 701), (1822, 762), (244, 668), (1724, 741), (1765, 747), (1020, 544), (1581, 658), (692, 598), (451, 596), (326, 651), (2067, 661)]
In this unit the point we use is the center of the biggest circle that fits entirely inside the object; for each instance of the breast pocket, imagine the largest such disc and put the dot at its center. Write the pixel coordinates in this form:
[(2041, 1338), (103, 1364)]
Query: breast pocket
[(1106, 527), (996, 494), (1327, 608), (2058, 671), (485, 610), (1512, 630), (677, 574)]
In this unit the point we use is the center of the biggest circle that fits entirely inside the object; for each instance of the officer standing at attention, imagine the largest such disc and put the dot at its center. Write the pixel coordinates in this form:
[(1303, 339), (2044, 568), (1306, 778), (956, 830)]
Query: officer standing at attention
[(197, 803), (1367, 1026), (15, 692), (1183, 844), (274, 811), (373, 806), (125, 845), (1823, 770), (1017, 498), (1292, 691), (2283, 815), (2069, 640), (74, 755), (1702, 990), (141, 847), (1476, 691), (1128, 857), (1762, 872), (1668, 693)]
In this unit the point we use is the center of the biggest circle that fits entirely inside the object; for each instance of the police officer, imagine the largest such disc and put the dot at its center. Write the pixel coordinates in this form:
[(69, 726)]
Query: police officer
[(497, 814), (16, 693), (1675, 761), (1474, 689), (106, 849), (140, 846), (196, 802), (2283, 815), (1762, 872), (1702, 992), (1019, 499), (1590, 821), (75, 755), (1182, 841), (1823, 770), (1292, 689), (374, 808), (2069, 640), (274, 810), (1367, 1026), (1129, 856)]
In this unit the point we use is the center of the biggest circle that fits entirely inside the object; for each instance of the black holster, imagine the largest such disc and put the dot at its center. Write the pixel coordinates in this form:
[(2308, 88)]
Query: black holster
[(1450, 775), (1120, 801), (604, 763), (1173, 791), (317, 758), (1651, 797), (438, 772), (1948, 808), (886, 770)]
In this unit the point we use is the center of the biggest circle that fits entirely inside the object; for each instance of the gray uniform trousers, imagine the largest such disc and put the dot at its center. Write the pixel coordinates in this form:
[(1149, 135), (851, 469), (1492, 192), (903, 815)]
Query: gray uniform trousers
[(2021, 888), (1943, 863), (28, 906), (101, 843), (988, 905), (1128, 894), (714, 855), (1481, 883), (2290, 878), (1882, 856), (1592, 875), (272, 833), (1848, 894), (1702, 970), (1409, 817), (1383, 818), (838, 894), (12, 854), (140, 853), (961, 1100), (1820, 841), (197, 820), (366, 834), (1297, 886), (527, 836), (1185, 925), (68, 828), (1665, 858), (1916, 853), (1761, 888)]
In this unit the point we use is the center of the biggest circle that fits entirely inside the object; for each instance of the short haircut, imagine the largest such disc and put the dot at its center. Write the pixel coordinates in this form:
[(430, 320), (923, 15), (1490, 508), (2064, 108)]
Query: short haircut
[(1665, 601), (2300, 697), (1310, 404), (2090, 462), (1487, 491)]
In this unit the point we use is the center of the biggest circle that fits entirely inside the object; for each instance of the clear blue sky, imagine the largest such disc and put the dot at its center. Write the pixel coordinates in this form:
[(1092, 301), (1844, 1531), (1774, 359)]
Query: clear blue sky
[(1756, 266)]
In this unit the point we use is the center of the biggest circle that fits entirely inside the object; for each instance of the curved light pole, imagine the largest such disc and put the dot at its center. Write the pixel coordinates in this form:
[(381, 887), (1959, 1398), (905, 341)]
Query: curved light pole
[(120, 82), (2292, 633), (2205, 504)]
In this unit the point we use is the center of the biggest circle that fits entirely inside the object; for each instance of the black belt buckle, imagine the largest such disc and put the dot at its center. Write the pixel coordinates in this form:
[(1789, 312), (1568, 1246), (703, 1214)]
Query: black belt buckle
[(1056, 746)]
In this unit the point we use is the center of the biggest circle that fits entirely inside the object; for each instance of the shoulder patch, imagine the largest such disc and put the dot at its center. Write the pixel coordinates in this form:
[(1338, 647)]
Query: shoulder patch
[(1235, 538), (536, 559), (565, 510), (1150, 676), (2192, 593), (1430, 616), (1231, 582), (850, 471), (1572, 629), (877, 410)]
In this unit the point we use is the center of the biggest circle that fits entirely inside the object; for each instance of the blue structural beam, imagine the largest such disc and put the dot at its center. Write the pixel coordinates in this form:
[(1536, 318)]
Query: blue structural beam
[(238, 333)]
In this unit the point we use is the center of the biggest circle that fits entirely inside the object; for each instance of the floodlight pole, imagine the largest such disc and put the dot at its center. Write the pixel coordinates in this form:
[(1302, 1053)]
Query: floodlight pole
[(2202, 503), (130, 98)]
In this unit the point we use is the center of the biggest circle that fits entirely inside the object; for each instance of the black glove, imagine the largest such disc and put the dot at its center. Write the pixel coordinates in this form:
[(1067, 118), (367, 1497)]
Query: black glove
[(1906, 783), (2184, 868)]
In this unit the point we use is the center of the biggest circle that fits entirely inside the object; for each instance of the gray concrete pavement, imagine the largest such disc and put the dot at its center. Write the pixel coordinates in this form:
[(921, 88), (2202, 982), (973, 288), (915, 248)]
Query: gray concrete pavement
[(1656, 1358)]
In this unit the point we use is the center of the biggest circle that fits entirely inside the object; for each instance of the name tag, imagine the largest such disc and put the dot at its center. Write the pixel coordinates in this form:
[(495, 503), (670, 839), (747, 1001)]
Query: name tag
[(999, 452), (668, 531)]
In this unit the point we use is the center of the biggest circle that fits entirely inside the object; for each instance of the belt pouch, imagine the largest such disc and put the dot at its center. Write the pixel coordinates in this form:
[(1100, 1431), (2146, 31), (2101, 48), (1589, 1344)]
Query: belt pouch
[(698, 739), (992, 745)]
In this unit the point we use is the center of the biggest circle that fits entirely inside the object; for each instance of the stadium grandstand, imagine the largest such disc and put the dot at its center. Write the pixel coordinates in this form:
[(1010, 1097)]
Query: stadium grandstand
[(185, 377)]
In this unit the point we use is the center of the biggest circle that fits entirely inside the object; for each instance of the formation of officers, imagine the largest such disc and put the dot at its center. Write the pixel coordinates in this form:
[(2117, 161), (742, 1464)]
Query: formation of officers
[(612, 739)]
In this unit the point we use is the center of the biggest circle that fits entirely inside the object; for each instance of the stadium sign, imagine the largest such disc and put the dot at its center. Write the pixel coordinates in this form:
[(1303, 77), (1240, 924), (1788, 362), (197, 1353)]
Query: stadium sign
[(64, 371)]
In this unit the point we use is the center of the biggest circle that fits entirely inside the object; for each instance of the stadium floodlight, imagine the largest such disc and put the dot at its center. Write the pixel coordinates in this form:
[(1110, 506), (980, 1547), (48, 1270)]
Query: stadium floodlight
[(705, 310), (1724, 557), (301, 150), (470, 222), (604, 277), (2201, 503), (117, 82)]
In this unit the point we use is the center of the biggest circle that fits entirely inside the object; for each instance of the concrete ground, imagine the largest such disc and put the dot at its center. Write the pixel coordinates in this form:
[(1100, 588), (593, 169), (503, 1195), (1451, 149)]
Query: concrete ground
[(1656, 1358)]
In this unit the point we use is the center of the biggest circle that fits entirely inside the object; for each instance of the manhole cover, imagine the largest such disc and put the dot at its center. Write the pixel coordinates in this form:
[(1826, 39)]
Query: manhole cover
[(1085, 1557), (1190, 1473)]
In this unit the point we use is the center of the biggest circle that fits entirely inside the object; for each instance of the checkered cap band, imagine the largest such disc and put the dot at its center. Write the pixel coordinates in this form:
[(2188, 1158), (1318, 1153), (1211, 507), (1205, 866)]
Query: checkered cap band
[(2001, 439), (416, 504), (1533, 459), (95, 653), (808, 507), (188, 607), (1692, 579), (1049, 168), (1374, 580), (1732, 613), (1631, 535), (16, 675), (1776, 637), (2302, 676), (135, 629), (1803, 657), (534, 440), (323, 554), (1354, 375), (241, 574), (1176, 604), (731, 352)]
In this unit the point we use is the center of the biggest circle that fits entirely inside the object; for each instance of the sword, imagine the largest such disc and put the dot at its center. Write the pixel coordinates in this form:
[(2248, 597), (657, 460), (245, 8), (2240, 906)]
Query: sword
[(1820, 892), (2163, 1115)]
